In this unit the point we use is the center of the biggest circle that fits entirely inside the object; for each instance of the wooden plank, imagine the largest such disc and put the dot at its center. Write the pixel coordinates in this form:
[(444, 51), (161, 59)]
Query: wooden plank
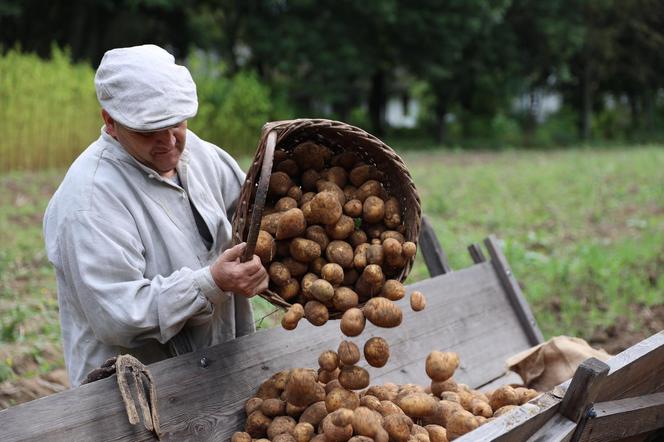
[(512, 288), (636, 371), (431, 250), (585, 385), (557, 429), (624, 418), (467, 312), (476, 253)]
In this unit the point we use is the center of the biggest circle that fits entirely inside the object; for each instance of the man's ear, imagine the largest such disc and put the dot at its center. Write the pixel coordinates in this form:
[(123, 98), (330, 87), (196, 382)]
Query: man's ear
[(110, 123)]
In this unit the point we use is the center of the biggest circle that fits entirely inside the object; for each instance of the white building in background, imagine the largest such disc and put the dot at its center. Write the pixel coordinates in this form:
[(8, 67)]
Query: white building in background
[(402, 112)]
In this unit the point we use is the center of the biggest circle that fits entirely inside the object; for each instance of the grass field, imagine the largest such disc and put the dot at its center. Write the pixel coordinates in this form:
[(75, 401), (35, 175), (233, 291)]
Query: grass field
[(582, 229)]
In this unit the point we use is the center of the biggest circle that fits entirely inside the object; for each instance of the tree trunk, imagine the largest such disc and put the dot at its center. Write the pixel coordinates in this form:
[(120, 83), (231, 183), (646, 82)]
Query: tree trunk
[(441, 123), (377, 100), (586, 101)]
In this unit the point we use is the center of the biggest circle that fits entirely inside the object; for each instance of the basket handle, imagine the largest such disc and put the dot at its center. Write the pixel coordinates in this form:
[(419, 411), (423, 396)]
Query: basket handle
[(261, 195)]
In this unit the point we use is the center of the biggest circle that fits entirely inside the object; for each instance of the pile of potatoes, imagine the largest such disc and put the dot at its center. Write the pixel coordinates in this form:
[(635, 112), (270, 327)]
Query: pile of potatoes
[(334, 404), (332, 239)]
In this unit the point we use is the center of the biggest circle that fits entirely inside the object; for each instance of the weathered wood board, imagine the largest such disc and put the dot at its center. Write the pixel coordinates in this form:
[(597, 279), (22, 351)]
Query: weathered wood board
[(468, 311)]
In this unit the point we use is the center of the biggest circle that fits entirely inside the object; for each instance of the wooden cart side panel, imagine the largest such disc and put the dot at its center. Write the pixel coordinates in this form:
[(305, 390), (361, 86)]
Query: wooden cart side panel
[(467, 312), (431, 250)]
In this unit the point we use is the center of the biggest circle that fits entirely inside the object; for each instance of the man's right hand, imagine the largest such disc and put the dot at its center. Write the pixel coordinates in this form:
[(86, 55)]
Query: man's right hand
[(244, 278)]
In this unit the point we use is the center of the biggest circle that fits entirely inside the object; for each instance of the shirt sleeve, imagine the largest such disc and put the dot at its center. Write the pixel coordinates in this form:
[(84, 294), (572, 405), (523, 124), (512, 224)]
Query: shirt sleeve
[(106, 265)]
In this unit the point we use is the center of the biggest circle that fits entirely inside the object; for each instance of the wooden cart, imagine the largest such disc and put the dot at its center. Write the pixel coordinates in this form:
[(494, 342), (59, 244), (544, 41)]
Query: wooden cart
[(478, 312)]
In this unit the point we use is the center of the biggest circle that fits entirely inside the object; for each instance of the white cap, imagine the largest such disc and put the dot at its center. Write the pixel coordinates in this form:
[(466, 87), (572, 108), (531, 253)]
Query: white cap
[(143, 89)]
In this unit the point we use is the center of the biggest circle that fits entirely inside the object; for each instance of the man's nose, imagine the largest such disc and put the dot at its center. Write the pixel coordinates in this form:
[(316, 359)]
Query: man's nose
[(167, 137)]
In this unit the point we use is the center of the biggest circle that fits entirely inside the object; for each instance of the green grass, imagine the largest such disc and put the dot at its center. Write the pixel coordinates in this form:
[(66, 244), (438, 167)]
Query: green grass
[(582, 229)]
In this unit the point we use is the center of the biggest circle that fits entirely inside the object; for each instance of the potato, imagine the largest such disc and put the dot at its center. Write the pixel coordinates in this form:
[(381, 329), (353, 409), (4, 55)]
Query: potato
[(273, 407), (504, 410), (362, 173), (450, 396), (304, 250), (438, 388), (241, 437), (294, 411), (307, 281), (373, 210), (334, 433), (392, 218), (292, 317), (296, 193), (460, 423), (341, 398), (325, 208), (480, 408), (310, 155), (353, 377), (398, 426), (303, 432), (300, 387), (442, 412), (307, 197), (393, 290), (392, 234), (440, 365), (327, 186), (371, 402), (374, 230), (333, 273), (285, 203), (344, 299), (417, 405), (279, 184), (392, 250), (279, 274), (316, 266), (322, 291), (375, 254), (336, 175), (270, 222), (376, 351), (289, 167), (316, 313), (389, 407), (252, 405), (268, 390), (295, 267), (382, 312), (353, 208), (370, 282), (367, 422), (257, 424), (290, 290), (350, 277), (341, 417), (420, 433), (409, 249), (314, 414), (266, 248), (502, 396), (340, 252), (436, 433), (369, 188), (283, 247), (524, 395), (342, 229), (328, 360), (360, 256), (346, 159), (349, 353), (350, 191), (326, 376), (290, 224), (417, 301), (283, 437), (352, 322), (317, 233)]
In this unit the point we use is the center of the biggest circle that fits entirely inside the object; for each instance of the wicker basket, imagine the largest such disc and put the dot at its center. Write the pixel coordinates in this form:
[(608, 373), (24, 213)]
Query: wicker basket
[(339, 137)]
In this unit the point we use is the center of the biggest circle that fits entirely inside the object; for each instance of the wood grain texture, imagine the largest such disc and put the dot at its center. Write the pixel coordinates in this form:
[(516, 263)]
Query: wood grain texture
[(625, 418), (467, 312), (557, 429), (431, 250), (476, 253), (512, 288), (586, 383)]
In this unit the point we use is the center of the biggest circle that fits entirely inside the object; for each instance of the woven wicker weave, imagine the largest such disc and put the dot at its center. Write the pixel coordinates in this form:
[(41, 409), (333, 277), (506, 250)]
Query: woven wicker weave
[(286, 135)]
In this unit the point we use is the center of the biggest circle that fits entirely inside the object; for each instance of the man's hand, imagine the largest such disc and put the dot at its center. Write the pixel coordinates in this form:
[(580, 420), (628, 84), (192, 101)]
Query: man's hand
[(246, 278)]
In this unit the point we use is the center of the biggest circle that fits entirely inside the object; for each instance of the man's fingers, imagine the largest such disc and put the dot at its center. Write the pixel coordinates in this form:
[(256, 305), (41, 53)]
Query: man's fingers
[(234, 252)]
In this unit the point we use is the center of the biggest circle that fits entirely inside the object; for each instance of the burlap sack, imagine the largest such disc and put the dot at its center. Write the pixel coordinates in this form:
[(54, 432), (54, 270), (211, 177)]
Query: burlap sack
[(553, 362)]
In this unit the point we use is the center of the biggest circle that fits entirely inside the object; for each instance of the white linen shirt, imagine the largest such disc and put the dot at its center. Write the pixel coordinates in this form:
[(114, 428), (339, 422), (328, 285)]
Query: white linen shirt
[(132, 269)]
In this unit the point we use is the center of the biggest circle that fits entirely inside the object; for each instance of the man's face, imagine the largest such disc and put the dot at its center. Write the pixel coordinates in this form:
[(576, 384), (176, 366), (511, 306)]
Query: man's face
[(159, 150)]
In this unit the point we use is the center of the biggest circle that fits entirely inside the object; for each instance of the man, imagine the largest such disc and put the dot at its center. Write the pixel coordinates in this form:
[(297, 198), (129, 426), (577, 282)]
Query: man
[(136, 228)]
